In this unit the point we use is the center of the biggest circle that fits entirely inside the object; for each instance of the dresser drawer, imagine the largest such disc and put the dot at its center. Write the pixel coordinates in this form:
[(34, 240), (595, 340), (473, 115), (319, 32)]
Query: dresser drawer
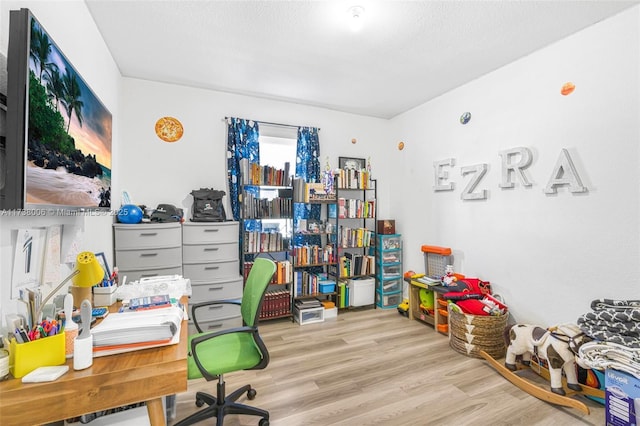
[(135, 275), (218, 290), (216, 312), (204, 233), (198, 253), (216, 325), (207, 272), (149, 258), (131, 237)]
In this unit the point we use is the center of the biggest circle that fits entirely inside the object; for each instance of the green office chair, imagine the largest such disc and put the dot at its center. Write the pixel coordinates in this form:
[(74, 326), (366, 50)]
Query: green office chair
[(215, 353)]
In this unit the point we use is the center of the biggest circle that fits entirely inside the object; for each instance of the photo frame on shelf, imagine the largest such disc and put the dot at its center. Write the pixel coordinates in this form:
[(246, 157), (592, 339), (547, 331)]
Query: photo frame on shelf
[(102, 259), (349, 163)]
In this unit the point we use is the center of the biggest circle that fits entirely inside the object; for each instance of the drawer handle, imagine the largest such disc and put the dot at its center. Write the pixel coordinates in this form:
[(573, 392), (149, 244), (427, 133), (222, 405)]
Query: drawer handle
[(212, 249), (209, 268), (211, 327), (211, 230), (148, 254), (211, 308), (148, 275), (215, 289)]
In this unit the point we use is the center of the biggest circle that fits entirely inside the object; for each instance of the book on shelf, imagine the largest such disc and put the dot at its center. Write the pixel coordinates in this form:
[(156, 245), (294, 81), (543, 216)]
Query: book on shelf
[(317, 192)]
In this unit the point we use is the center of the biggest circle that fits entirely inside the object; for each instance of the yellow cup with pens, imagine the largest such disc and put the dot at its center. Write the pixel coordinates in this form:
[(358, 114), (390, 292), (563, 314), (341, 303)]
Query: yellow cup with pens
[(42, 352)]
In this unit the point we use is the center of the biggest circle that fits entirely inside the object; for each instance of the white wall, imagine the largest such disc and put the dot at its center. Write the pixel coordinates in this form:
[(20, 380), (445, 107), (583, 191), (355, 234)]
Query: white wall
[(154, 172), (548, 255), (73, 29)]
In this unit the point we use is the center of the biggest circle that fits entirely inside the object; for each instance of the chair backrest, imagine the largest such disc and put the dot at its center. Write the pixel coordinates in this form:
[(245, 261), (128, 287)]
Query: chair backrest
[(257, 282)]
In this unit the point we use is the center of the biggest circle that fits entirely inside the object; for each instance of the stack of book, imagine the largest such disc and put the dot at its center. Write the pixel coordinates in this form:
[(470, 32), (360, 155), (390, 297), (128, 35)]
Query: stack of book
[(137, 329)]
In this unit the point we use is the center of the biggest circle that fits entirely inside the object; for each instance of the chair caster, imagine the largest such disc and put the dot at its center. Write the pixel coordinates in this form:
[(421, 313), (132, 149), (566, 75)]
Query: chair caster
[(199, 403), (251, 394), (263, 422)]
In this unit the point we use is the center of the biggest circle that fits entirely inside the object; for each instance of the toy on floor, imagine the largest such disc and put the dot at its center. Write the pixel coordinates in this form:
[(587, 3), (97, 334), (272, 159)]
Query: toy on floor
[(558, 346), (403, 308)]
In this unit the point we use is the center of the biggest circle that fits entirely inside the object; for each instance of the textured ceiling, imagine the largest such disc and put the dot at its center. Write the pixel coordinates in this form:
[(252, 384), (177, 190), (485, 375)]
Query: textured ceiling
[(407, 52)]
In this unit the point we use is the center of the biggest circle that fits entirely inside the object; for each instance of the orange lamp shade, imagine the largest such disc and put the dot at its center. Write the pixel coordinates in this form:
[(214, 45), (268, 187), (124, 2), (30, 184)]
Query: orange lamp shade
[(90, 271)]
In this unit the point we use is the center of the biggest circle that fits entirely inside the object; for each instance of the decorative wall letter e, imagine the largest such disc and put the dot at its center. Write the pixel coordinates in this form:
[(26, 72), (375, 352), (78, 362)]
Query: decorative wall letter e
[(564, 173), (442, 175)]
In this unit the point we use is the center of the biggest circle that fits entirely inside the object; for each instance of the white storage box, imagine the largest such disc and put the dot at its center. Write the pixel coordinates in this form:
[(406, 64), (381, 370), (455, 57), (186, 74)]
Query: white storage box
[(330, 313), (309, 315), (104, 296), (361, 291)]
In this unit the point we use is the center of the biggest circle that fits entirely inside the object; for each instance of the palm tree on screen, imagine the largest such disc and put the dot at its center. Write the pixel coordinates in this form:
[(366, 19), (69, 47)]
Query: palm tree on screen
[(71, 98)]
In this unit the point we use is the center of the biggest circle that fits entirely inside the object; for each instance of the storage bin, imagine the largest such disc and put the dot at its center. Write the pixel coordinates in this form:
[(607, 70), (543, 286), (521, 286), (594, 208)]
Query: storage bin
[(436, 260), (361, 291), (26, 357), (104, 296), (389, 271), (388, 300), (309, 315), (471, 334), (330, 313), (391, 286), (327, 287)]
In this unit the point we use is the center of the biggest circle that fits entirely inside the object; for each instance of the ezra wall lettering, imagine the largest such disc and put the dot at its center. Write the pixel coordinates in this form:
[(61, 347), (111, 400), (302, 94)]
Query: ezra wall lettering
[(514, 163)]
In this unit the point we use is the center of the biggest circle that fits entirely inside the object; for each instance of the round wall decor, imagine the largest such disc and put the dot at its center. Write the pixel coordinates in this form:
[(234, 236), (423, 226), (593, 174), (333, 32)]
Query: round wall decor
[(169, 129)]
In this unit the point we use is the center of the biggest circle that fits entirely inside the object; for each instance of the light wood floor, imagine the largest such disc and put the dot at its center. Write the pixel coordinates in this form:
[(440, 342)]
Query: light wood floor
[(376, 367)]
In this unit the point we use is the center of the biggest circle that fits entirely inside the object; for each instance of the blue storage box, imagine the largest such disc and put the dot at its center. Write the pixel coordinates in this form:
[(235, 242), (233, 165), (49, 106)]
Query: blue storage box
[(327, 287)]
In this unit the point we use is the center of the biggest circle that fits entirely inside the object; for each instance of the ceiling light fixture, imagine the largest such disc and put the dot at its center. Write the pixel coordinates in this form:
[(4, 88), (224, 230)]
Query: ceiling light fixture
[(356, 17)]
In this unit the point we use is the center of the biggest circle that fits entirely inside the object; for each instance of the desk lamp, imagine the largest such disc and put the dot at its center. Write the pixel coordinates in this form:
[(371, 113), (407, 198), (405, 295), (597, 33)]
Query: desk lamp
[(87, 273)]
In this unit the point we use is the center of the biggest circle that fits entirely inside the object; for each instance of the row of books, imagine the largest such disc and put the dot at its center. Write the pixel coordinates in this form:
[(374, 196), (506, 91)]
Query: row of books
[(356, 209), (283, 274), (352, 264), (255, 174), (352, 179), (308, 283), (313, 255), (258, 242), (276, 303), (259, 208), (343, 295), (355, 237)]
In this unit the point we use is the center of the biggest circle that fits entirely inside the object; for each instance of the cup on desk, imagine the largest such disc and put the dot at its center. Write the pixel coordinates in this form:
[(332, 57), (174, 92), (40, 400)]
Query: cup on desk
[(80, 294)]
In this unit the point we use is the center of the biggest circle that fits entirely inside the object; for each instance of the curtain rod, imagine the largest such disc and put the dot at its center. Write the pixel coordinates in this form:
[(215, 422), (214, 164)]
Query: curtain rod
[(275, 124)]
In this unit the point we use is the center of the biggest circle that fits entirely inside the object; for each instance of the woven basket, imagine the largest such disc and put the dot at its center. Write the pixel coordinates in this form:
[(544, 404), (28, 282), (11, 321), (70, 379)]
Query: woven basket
[(470, 334)]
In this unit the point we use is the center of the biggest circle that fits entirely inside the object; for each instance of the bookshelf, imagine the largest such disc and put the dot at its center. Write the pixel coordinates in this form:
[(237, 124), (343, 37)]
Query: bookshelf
[(266, 211), (314, 251), (356, 204)]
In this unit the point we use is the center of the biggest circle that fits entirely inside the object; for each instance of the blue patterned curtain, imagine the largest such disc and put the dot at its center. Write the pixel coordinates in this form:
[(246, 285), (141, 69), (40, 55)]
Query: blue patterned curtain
[(242, 142), (307, 168)]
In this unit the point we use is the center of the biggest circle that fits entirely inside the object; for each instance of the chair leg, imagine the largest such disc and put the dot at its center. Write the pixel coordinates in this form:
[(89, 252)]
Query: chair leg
[(223, 404)]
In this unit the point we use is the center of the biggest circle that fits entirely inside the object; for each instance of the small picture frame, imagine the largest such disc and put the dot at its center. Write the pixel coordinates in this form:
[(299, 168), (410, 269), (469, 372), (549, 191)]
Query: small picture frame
[(102, 259), (348, 163)]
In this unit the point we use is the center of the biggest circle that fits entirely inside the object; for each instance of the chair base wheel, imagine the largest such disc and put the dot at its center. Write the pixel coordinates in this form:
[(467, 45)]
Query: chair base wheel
[(251, 394), (263, 422)]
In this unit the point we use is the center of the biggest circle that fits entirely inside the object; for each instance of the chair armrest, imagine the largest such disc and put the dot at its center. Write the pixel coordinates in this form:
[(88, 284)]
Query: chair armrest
[(196, 306)]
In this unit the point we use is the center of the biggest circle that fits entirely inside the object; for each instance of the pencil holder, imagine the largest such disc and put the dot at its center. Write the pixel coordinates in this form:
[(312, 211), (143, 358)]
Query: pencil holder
[(26, 357)]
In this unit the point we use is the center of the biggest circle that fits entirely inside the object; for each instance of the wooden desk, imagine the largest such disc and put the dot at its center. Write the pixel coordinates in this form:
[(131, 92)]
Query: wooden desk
[(112, 381)]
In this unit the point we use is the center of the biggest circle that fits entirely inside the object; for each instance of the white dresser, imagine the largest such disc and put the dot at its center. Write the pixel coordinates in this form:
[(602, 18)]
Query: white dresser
[(210, 259), (148, 250)]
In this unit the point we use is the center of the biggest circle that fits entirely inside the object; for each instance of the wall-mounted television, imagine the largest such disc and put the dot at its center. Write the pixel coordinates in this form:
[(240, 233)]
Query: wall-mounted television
[(58, 133)]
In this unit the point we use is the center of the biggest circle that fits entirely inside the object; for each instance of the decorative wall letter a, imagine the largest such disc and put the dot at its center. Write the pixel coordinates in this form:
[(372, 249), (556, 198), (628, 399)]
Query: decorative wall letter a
[(564, 173)]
